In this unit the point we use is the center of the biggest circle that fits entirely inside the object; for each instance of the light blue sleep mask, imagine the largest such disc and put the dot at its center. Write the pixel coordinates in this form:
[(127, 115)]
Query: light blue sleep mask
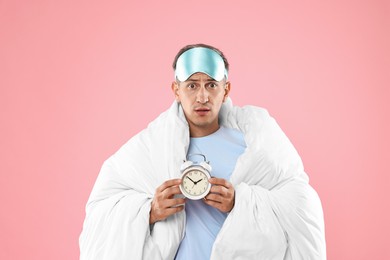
[(200, 59)]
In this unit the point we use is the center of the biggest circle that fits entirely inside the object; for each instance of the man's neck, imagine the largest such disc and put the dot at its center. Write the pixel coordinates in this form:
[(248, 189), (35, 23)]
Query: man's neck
[(201, 132)]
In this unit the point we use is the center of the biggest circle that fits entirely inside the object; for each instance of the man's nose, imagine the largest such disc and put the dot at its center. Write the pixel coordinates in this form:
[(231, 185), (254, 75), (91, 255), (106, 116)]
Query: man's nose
[(202, 95)]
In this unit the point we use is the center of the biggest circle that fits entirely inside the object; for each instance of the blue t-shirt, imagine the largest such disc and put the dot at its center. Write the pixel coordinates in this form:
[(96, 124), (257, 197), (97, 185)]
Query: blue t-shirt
[(222, 149)]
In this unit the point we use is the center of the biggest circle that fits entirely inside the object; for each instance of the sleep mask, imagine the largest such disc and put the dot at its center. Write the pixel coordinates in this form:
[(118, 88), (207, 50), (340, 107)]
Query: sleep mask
[(200, 59)]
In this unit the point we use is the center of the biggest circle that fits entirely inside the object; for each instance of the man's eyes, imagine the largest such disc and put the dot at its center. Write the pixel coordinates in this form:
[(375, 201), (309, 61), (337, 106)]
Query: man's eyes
[(194, 86), (212, 85)]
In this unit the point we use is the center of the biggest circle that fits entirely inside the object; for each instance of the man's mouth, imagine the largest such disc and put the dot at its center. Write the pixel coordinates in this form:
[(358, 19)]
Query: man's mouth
[(202, 110)]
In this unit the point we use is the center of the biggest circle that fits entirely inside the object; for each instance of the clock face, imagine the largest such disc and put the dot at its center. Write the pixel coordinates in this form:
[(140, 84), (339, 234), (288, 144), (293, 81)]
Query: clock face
[(195, 184)]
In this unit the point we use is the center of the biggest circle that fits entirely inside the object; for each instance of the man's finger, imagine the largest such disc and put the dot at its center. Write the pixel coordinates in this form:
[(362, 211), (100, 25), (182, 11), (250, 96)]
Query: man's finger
[(167, 184), (171, 191), (175, 202), (213, 197), (173, 210), (220, 190), (220, 181)]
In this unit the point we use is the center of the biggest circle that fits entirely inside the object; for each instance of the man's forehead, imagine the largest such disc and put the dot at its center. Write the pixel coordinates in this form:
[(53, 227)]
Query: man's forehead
[(200, 76)]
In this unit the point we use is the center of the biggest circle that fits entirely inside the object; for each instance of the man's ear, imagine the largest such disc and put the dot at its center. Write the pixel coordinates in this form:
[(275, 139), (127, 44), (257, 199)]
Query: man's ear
[(175, 90), (227, 90)]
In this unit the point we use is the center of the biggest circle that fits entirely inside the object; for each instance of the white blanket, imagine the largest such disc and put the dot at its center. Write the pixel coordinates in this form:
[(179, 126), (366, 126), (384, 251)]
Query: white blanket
[(277, 215)]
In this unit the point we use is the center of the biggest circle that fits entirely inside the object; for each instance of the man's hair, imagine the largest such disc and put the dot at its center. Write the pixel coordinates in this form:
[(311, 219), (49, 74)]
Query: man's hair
[(187, 47)]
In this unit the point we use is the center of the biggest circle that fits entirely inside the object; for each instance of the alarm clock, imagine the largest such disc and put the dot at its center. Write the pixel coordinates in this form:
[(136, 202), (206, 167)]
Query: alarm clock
[(195, 177)]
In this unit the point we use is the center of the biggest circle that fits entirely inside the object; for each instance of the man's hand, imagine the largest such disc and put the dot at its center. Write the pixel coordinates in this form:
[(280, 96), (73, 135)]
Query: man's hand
[(221, 195), (164, 204)]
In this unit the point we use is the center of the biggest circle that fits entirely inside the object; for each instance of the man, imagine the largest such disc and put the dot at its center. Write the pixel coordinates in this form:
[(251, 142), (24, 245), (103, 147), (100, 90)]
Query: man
[(260, 205)]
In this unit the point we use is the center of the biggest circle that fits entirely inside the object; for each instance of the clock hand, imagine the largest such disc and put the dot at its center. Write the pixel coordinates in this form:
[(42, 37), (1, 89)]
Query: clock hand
[(198, 181), (191, 180)]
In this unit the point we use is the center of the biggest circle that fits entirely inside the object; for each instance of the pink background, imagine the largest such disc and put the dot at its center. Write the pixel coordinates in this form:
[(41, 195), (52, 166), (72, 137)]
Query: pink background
[(79, 78)]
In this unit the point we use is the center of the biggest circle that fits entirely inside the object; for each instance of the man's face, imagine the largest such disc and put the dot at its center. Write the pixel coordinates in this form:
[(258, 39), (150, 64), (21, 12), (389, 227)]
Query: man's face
[(201, 98)]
